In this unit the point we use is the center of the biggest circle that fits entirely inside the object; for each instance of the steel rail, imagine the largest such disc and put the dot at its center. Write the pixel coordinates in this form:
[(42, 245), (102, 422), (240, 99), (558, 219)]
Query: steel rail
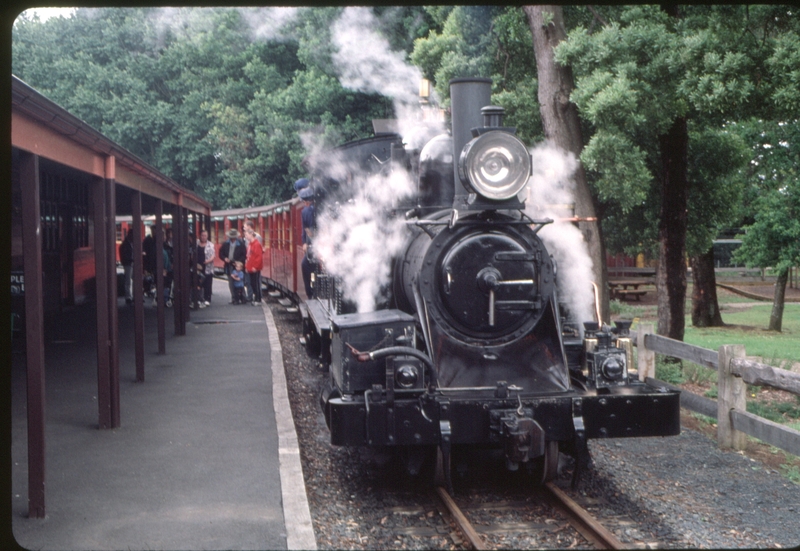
[(582, 521), (460, 520)]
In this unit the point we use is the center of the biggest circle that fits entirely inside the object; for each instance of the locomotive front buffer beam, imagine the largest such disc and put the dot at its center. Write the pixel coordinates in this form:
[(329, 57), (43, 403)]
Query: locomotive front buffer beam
[(521, 424)]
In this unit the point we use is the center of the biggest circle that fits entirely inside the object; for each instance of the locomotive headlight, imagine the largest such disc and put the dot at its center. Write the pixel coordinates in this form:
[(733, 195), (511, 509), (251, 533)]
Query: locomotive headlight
[(407, 376), (496, 165)]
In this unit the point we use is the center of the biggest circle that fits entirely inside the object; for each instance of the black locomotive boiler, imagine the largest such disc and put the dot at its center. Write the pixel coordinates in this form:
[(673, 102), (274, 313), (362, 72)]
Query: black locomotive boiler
[(473, 346)]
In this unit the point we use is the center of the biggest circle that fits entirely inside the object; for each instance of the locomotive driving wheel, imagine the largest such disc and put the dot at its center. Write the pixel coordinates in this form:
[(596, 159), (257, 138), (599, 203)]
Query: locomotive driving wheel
[(442, 474), (545, 468)]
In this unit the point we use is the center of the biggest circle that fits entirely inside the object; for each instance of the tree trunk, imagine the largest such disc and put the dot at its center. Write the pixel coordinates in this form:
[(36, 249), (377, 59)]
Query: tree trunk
[(705, 308), (671, 272), (562, 127), (776, 317)]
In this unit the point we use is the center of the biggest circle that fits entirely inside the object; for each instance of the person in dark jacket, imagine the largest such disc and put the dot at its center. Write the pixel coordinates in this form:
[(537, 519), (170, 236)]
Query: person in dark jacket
[(233, 250), (149, 261), (307, 216)]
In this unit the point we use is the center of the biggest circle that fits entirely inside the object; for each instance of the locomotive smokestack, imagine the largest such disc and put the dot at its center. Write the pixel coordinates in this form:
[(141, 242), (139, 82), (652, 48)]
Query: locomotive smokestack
[(467, 97)]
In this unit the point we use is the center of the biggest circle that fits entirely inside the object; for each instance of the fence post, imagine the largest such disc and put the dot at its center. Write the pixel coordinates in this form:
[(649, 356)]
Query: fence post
[(732, 394), (646, 358)]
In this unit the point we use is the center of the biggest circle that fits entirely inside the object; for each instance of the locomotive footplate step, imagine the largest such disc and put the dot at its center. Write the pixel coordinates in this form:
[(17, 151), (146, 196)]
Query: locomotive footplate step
[(319, 316)]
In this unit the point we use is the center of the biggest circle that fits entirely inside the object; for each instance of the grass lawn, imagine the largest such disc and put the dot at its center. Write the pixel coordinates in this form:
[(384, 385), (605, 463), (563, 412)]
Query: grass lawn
[(747, 325)]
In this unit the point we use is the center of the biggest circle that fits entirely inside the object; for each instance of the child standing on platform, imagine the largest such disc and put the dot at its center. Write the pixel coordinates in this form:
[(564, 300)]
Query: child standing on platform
[(237, 275)]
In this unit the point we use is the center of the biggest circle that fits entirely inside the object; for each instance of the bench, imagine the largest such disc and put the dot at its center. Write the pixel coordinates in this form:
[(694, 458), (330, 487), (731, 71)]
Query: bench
[(622, 293)]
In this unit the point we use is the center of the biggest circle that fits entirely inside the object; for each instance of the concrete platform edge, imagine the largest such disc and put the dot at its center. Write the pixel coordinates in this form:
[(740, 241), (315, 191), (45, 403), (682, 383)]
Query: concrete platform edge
[(297, 515)]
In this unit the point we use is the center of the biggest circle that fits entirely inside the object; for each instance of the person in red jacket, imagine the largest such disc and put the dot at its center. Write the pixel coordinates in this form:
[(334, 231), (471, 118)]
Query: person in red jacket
[(253, 265)]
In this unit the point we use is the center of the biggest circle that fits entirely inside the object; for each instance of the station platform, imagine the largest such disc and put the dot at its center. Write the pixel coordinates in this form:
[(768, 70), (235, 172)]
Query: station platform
[(206, 456)]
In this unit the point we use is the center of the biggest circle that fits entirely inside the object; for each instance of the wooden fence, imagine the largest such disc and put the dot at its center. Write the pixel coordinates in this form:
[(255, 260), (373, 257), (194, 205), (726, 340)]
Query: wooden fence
[(733, 371)]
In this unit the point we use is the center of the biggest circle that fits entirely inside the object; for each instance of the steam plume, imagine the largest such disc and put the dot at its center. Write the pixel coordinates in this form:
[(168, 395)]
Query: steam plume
[(551, 196), (356, 240)]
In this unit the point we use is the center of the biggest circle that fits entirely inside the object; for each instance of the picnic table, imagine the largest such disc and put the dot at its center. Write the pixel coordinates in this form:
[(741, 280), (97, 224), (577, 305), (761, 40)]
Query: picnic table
[(628, 287)]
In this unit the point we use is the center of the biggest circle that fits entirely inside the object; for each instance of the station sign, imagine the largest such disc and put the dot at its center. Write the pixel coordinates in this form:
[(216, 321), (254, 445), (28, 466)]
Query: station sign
[(17, 284)]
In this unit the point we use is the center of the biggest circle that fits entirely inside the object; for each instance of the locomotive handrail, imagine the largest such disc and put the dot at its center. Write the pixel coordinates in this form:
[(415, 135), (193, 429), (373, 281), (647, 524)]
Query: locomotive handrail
[(446, 389), (733, 371), (528, 222)]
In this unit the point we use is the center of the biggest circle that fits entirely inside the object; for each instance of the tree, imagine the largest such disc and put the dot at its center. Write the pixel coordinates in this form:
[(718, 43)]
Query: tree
[(769, 35), (644, 81), (717, 162), (201, 93), (562, 127), (483, 41), (773, 237)]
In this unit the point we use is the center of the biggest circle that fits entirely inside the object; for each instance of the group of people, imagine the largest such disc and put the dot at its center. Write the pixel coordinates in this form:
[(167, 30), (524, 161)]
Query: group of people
[(243, 260), (148, 265), (242, 257)]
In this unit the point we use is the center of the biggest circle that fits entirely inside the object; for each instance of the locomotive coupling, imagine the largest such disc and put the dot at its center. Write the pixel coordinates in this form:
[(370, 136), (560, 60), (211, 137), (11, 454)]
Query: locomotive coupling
[(522, 438)]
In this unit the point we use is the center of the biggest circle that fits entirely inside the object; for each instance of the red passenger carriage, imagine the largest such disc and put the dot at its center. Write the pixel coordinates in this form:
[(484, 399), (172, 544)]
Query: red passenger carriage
[(280, 226)]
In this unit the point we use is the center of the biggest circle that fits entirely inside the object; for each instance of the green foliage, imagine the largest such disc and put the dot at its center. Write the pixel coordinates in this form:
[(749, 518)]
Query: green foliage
[(219, 99), (481, 41), (669, 371), (784, 65), (461, 50), (522, 109), (223, 108), (698, 374), (644, 69), (777, 412), (621, 168), (773, 236), (624, 310), (704, 418), (717, 161), (792, 472), (404, 24)]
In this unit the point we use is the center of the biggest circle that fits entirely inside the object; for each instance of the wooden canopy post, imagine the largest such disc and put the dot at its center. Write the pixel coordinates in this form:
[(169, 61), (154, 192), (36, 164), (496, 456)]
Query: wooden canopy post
[(34, 331), (177, 269), (102, 292), (110, 272), (138, 278), (193, 276), (158, 234)]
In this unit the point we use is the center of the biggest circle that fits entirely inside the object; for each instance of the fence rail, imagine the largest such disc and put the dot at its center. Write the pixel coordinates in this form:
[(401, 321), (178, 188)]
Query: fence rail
[(733, 371)]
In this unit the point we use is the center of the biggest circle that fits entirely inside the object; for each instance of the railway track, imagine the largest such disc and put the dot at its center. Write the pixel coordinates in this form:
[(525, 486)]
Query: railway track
[(578, 517), (361, 503)]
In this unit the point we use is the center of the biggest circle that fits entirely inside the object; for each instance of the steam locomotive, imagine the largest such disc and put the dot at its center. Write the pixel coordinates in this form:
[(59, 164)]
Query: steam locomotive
[(472, 346)]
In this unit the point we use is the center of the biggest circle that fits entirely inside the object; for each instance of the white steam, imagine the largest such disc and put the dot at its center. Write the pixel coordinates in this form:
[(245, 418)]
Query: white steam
[(551, 196), (269, 23), (365, 62), (356, 239), (264, 23)]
